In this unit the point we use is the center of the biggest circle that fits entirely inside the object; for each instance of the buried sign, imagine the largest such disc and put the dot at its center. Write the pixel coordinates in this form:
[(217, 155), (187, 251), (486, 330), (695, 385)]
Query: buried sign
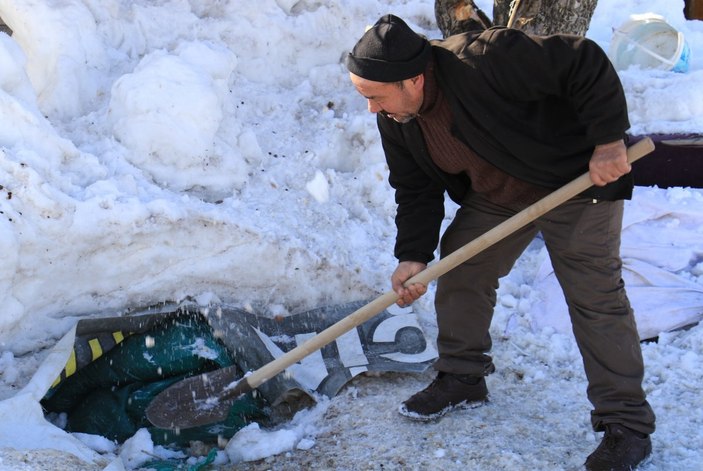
[(118, 365)]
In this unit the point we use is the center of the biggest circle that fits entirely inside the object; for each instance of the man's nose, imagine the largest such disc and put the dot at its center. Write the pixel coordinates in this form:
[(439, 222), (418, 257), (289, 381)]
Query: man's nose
[(373, 107)]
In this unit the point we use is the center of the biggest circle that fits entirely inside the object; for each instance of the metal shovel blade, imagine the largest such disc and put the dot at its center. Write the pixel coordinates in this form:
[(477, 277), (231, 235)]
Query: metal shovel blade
[(199, 400)]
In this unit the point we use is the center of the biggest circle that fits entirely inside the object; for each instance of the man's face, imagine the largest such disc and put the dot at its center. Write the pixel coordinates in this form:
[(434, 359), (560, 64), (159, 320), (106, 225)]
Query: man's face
[(399, 101)]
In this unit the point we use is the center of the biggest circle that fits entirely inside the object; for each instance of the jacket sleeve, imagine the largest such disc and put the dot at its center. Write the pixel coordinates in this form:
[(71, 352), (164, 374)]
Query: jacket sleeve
[(420, 199), (529, 68)]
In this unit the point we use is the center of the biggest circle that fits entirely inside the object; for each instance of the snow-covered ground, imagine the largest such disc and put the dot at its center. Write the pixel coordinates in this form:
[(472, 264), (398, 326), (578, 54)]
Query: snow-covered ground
[(154, 152)]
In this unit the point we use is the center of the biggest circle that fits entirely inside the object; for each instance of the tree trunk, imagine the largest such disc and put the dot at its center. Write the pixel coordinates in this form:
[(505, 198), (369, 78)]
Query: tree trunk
[(552, 16), (501, 12), (458, 16), (532, 16)]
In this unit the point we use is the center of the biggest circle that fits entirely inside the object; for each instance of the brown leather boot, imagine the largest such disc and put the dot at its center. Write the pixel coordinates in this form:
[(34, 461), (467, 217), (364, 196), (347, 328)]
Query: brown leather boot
[(622, 449), (448, 391)]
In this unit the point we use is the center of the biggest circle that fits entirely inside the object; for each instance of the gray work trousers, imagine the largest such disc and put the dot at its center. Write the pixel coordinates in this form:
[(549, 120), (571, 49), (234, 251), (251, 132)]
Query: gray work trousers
[(583, 241)]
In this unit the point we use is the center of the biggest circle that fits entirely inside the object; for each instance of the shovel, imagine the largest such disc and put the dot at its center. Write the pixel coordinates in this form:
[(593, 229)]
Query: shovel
[(208, 397)]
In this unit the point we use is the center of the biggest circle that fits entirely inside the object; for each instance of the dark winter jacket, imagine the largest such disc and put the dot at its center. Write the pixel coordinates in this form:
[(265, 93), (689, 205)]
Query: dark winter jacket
[(535, 107)]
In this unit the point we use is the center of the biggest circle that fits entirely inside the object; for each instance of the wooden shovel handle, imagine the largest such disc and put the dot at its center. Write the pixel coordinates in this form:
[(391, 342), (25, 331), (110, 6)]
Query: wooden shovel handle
[(432, 272)]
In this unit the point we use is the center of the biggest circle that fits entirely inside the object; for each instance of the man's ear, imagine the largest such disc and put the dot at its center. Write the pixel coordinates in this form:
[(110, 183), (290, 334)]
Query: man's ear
[(418, 80)]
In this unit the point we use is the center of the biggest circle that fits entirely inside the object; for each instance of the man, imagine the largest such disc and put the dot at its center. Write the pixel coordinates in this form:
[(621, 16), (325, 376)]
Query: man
[(498, 119)]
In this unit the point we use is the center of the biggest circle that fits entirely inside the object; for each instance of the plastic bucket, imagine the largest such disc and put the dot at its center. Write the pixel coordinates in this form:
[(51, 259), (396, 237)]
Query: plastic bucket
[(649, 42)]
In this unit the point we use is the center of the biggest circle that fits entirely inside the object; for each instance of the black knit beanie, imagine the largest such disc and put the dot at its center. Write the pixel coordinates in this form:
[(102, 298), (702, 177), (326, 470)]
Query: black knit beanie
[(389, 52)]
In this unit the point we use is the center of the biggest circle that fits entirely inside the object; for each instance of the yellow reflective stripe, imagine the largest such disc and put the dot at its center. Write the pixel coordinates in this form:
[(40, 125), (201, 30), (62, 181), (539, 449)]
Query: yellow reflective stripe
[(71, 364), (118, 336), (95, 348), (56, 381)]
